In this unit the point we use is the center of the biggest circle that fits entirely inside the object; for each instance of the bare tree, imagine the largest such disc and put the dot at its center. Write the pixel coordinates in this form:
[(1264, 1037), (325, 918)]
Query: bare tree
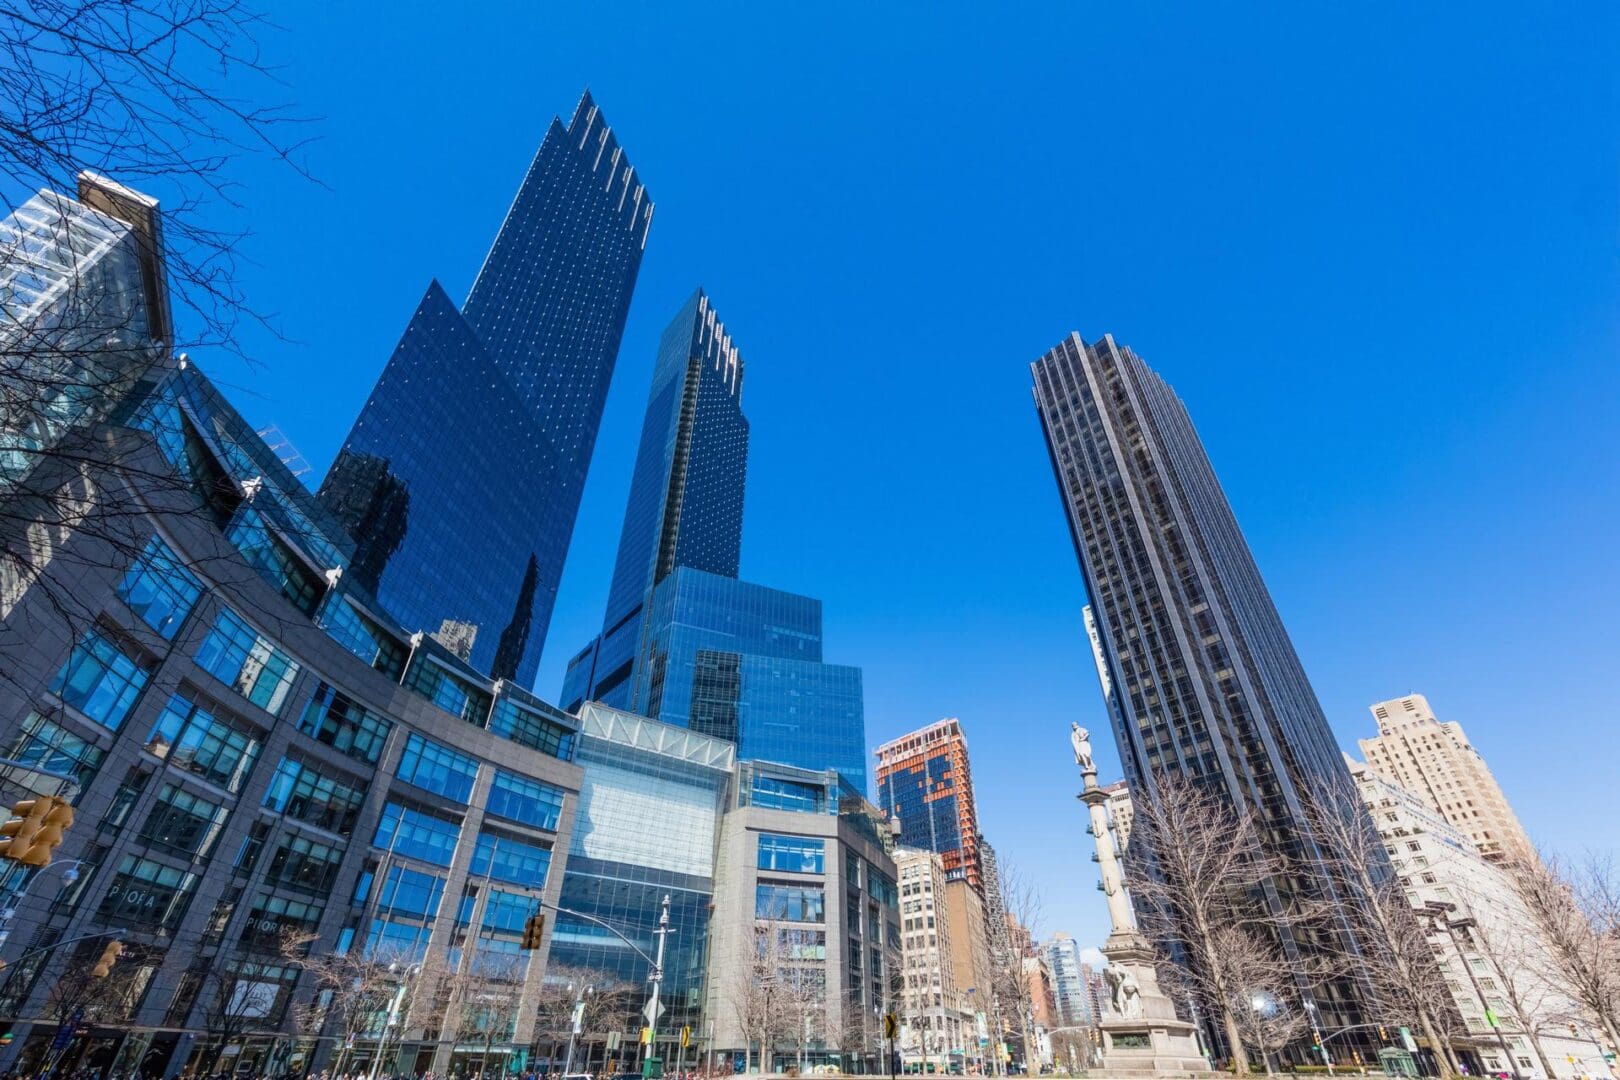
[(1396, 961), (1582, 953), (1268, 1022), (761, 1000), (606, 1003), (1204, 891), (1010, 982), (234, 1005), (352, 991), (163, 95), (1518, 973)]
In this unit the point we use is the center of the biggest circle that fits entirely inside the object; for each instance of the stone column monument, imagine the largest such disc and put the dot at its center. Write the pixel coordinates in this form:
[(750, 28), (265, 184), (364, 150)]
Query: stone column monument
[(1141, 1033)]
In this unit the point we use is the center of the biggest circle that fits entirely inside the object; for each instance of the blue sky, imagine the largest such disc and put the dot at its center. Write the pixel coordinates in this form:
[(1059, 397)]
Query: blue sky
[(1377, 257)]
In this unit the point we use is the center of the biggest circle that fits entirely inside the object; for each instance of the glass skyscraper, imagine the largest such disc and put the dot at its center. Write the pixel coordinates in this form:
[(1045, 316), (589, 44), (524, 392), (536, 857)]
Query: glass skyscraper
[(924, 782), (1198, 672), (686, 494), (683, 641), (462, 476)]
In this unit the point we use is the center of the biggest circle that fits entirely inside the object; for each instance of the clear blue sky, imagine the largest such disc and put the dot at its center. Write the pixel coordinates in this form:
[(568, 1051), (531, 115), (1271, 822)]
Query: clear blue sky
[(1376, 257)]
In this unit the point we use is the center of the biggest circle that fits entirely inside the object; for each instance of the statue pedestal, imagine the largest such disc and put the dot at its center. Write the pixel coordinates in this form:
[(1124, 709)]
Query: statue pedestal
[(1147, 1038)]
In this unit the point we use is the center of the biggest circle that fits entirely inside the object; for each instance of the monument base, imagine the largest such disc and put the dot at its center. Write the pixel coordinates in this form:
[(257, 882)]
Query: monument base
[(1141, 1033)]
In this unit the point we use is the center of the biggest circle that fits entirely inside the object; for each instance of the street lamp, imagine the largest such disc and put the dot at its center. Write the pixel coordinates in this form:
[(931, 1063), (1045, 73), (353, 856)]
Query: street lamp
[(9, 912), (1441, 913), (392, 1018)]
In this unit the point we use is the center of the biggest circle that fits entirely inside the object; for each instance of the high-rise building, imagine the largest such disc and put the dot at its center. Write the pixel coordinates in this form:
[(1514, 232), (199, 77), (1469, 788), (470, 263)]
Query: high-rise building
[(686, 495), (1200, 676), (84, 304), (1505, 982), (1068, 970), (462, 476), (925, 784), (683, 640), (935, 1006), (967, 923), (1121, 812), (1435, 761)]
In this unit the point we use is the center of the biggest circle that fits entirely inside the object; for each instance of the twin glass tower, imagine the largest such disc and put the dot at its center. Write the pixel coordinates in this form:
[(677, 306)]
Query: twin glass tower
[(461, 480), (462, 476)]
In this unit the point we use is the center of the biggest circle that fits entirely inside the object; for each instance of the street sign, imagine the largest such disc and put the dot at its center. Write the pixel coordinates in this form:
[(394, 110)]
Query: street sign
[(579, 1017), (614, 1039), (686, 1036), (649, 1015), (891, 1026)]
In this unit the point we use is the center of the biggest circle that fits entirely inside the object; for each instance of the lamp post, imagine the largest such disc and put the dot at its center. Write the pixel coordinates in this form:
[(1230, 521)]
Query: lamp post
[(1441, 912), (391, 1020), (575, 1025), (9, 912)]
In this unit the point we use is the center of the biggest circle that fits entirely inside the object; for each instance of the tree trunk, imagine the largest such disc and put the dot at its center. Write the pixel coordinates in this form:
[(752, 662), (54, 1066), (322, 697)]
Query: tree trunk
[(1240, 1057), (1442, 1050)]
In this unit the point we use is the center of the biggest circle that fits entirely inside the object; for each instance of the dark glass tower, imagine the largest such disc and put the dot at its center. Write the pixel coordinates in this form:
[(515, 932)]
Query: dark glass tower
[(686, 494), (1199, 676), (683, 641), (462, 476)]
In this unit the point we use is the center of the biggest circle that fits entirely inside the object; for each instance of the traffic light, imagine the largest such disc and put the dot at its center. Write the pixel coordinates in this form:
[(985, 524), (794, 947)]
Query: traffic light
[(109, 957), (35, 830), (534, 931), (1575, 1031), (1383, 1033)]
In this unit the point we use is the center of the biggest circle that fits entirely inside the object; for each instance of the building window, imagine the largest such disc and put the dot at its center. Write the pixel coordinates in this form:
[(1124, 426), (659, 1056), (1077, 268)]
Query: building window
[(188, 738), (438, 769), (789, 903), (794, 944), (332, 718), (410, 892), (248, 662), (147, 893), (305, 794), (514, 861), (419, 835), (305, 864), (530, 802), (274, 917), (776, 794), (48, 745), (526, 726), (364, 638), (159, 589), (184, 823), (448, 691), (795, 854), (100, 681)]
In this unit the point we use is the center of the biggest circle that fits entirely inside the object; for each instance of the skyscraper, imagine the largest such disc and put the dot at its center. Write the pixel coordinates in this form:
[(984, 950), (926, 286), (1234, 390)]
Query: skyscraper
[(1200, 677), (462, 476), (686, 494), (1068, 969), (1436, 761), (683, 641), (924, 782)]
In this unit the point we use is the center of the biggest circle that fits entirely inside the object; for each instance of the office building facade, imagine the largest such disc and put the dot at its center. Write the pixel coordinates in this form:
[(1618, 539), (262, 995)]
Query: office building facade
[(1435, 760), (1200, 676), (254, 752), (805, 949), (461, 478), (1073, 1000), (940, 1035), (651, 800), (924, 783), (1504, 980)]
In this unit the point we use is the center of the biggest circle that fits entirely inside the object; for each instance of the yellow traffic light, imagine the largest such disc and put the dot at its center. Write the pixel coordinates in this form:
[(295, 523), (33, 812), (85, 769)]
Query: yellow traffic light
[(58, 819), (36, 830), (534, 931), (18, 835), (109, 957)]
